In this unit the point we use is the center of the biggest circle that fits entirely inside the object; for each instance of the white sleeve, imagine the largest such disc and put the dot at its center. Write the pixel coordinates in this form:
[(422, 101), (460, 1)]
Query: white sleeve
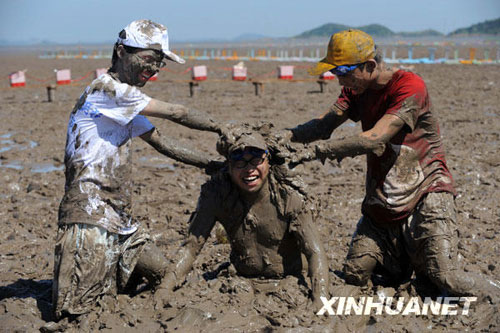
[(118, 101), (140, 125)]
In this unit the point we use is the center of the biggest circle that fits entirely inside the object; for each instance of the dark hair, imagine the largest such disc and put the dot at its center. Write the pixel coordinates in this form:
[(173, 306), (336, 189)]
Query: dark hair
[(128, 49), (122, 34), (378, 56)]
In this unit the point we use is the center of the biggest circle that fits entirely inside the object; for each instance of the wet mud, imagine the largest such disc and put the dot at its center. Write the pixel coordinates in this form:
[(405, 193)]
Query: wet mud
[(213, 298)]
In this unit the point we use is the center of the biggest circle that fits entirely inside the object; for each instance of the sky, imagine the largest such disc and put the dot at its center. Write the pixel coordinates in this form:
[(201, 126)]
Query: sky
[(96, 21)]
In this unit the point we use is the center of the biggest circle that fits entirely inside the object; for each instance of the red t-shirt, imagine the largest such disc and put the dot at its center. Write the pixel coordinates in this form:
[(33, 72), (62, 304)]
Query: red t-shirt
[(413, 162)]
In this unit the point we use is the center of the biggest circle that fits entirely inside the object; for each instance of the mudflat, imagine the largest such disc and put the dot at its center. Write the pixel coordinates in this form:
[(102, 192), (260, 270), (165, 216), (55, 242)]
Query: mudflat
[(465, 99)]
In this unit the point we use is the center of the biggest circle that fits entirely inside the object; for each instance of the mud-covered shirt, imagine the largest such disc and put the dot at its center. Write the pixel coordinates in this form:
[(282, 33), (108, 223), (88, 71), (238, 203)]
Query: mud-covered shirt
[(97, 156), (220, 201), (413, 163)]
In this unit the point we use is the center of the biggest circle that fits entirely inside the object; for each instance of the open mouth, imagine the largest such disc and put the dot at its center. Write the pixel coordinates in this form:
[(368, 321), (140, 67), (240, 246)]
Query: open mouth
[(250, 180), (145, 76)]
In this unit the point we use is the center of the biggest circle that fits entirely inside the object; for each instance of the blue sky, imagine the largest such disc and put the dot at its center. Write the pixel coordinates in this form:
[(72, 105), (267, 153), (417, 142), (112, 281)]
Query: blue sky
[(88, 21)]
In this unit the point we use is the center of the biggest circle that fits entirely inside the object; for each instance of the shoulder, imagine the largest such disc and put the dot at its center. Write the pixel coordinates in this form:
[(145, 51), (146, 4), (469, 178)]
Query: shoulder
[(106, 84), (218, 187), (288, 192), (408, 80)]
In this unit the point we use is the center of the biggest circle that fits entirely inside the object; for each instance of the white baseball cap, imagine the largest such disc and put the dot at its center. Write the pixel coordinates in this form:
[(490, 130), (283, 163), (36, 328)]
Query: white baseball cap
[(146, 34)]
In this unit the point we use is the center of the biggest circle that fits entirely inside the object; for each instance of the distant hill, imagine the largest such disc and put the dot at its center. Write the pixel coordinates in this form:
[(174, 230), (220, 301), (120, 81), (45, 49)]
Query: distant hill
[(485, 28), (324, 30), (331, 28), (423, 33), (378, 30)]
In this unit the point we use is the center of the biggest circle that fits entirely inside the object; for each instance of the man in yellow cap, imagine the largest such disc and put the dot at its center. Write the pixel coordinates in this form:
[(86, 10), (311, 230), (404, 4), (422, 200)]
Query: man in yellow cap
[(408, 214)]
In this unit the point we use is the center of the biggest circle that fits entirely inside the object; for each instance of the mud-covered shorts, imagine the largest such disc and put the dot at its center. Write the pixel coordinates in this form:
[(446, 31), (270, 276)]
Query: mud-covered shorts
[(91, 262), (424, 242)]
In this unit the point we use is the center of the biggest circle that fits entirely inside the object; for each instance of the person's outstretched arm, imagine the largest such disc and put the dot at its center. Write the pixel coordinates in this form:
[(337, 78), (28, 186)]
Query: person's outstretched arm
[(201, 224), (181, 115), (319, 128), (310, 243), (172, 148), (370, 141)]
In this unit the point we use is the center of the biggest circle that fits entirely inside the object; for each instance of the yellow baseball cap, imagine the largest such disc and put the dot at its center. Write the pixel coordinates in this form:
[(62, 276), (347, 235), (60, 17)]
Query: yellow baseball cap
[(348, 47)]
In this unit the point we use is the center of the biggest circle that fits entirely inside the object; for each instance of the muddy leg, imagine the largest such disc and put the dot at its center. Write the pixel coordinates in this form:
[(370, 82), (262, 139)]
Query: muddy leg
[(434, 226), (357, 271), (362, 256), (442, 270)]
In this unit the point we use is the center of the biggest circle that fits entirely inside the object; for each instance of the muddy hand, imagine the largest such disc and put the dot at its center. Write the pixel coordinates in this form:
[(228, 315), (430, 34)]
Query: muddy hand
[(321, 153), (161, 298), (317, 304), (224, 129), (303, 155), (283, 137), (163, 293), (324, 153)]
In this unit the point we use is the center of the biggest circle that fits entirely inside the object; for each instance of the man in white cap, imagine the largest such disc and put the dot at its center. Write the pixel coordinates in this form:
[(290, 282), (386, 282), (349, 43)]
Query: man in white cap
[(99, 244), (268, 219)]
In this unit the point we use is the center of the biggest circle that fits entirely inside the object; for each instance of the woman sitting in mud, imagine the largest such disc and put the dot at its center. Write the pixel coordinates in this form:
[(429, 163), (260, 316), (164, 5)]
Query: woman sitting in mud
[(267, 218)]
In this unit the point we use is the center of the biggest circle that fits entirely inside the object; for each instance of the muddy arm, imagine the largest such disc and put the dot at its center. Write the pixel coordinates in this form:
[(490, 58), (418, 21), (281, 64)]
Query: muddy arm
[(310, 243), (319, 128), (173, 149), (202, 222), (181, 115), (371, 141)]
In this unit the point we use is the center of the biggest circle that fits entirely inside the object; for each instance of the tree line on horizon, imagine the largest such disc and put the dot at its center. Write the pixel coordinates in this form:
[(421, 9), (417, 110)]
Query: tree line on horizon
[(491, 27)]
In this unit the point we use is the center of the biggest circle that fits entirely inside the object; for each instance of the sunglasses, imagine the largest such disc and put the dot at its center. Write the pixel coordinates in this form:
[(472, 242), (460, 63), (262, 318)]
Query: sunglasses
[(344, 69), (258, 157)]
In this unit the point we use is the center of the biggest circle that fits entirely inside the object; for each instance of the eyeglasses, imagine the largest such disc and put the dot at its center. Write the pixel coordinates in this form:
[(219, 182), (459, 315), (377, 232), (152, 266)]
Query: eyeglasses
[(343, 69), (258, 157), (146, 59)]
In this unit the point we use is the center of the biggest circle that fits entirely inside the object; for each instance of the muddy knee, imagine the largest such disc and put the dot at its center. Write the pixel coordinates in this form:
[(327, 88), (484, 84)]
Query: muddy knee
[(152, 264), (357, 271)]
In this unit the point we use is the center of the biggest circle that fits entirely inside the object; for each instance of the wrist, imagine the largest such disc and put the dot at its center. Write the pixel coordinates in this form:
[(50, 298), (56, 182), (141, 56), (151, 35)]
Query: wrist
[(168, 282)]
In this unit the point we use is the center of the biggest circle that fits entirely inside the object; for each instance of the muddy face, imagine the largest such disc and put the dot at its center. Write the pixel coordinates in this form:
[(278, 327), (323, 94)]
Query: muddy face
[(357, 80), (249, 172), (138, 67)]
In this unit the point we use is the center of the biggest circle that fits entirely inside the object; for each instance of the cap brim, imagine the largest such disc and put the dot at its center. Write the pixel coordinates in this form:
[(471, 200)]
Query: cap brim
[(244, 145), (174, 57), (320, 68)]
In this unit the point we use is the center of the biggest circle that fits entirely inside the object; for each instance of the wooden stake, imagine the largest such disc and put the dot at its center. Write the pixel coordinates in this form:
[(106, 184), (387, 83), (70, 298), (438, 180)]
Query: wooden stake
[(258, 85), (321, 84), (50, 93), (192, 84)]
